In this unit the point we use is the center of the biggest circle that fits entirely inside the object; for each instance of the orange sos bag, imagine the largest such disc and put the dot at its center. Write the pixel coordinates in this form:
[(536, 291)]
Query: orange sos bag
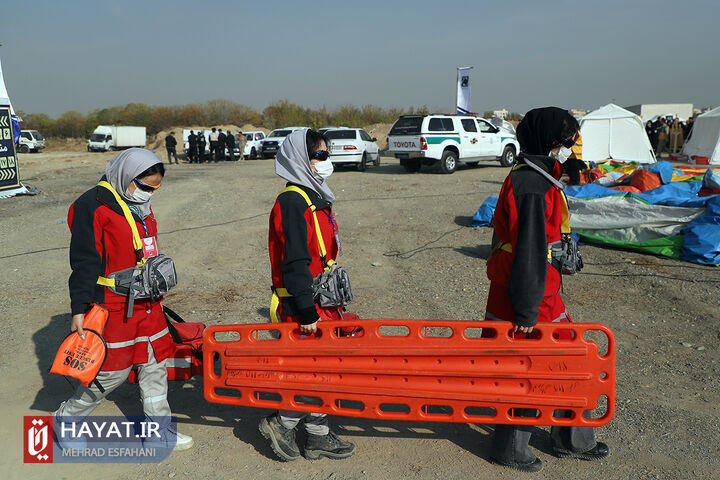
[(83, 359)]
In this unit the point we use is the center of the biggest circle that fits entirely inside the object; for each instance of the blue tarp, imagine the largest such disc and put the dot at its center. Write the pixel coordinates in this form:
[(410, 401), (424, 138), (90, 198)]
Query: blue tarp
[(484, 215)]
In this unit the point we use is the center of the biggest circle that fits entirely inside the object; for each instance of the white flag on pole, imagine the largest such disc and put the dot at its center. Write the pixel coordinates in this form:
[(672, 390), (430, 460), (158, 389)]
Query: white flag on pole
[(463, 90)]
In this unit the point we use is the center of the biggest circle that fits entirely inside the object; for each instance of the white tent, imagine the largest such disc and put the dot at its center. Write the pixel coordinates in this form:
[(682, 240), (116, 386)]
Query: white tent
[(615, 133), (705, 137)]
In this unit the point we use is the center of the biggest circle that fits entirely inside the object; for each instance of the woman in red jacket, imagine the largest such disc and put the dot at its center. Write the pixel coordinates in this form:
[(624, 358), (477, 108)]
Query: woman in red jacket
[(102, 243), (296, 257), (524, 286)]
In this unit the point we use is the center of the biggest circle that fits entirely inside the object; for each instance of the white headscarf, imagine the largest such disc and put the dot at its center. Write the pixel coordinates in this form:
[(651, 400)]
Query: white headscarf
[(292, 164), (124, 167)]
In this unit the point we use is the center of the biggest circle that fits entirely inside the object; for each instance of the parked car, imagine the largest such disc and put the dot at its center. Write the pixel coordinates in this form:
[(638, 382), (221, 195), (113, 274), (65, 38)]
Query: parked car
[(271, 144), (253, 144), (325, 129), (354, 146), (30, 141), (418, 140)]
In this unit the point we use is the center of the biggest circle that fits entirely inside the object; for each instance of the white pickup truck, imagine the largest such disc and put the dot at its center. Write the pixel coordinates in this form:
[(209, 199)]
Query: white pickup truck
[(418, 140), (253, 144)]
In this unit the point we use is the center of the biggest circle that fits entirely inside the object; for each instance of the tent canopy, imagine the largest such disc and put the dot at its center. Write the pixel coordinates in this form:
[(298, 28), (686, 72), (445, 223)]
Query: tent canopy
[(705, 137), (615, 133)]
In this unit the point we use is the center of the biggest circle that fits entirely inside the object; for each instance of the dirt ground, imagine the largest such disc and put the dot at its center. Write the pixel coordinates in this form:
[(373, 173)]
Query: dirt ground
[(410, 255)]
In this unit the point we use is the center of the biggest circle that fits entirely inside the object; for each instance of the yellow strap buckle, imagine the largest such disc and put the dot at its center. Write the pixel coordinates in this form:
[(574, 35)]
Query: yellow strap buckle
[(106, 282)]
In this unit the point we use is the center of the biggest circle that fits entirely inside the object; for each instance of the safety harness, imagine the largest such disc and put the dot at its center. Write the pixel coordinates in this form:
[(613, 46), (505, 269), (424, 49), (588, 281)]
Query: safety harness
[(280, 292), (149, 278), (563, 254)]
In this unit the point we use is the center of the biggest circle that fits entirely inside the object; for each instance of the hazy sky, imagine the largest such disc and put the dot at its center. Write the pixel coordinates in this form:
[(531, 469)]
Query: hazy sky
[(77, 55)]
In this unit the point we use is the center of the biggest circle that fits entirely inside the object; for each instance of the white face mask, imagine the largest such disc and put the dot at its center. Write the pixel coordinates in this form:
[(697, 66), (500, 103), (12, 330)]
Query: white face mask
[(140, 196), (562, 155), (324, 169)]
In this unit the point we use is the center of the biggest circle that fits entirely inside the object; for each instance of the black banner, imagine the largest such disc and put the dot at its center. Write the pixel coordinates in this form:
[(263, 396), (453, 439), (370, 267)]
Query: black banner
[(9, 177)]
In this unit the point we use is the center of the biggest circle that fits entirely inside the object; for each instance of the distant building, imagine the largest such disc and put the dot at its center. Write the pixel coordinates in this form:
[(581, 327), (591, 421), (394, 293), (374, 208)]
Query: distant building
[(578, 112), (649, 110), (502, 114)]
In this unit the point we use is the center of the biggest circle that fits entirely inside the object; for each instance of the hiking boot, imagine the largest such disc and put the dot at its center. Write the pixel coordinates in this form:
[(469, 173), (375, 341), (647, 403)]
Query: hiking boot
[(599, 451), (330, 446), (282, 440), (529, 467)]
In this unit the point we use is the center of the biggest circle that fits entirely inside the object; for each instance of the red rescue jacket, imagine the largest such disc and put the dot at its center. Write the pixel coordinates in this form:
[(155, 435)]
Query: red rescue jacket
[(101, 243), (524, 287), (294, 250)]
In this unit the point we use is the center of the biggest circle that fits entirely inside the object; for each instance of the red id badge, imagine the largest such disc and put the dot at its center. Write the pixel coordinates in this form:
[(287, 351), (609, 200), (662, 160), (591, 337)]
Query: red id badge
[(150, 248)]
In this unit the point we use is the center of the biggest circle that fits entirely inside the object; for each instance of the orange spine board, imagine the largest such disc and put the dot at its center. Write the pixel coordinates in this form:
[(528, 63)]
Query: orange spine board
[(420, 370)]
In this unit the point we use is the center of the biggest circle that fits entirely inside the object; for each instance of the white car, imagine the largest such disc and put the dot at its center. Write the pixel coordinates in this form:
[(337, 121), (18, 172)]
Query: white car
[(418, 140), (270, 145), (353, 145), (30, 141), (253, 142)]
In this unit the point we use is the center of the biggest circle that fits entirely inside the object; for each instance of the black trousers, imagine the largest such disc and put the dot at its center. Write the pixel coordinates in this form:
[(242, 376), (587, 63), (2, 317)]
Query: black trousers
[(171, 151), (510, 443)]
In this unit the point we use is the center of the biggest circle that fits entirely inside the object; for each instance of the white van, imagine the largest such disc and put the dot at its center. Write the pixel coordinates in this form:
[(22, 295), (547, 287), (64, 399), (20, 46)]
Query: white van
[(418, 140)]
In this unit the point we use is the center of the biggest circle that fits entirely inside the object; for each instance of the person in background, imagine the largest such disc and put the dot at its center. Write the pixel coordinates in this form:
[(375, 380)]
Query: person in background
[(230, 143), (201, 143), (687, 130), (170, 144), (524, 285), (101, 243), (213, 144), (652, 132), (220, 146), (295, 259), (662, 138), (192, 147)]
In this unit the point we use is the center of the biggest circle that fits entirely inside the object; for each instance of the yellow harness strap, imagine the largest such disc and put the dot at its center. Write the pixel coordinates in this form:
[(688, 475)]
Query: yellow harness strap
[(321, 243), (282, 292), (508, 248), (137, 243), (275, 302)]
